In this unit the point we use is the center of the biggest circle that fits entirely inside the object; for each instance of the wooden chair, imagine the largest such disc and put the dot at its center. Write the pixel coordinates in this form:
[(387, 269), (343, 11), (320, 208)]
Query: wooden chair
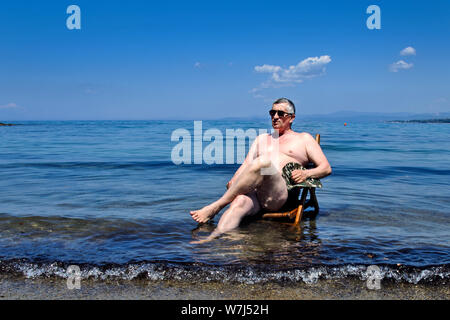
[(301, 204)]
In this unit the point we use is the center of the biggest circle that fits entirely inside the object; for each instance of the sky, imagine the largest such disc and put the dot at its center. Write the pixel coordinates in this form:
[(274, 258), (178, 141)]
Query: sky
[(214, 59)]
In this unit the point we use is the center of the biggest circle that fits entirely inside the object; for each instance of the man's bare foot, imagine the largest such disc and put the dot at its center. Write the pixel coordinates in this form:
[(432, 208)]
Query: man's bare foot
[(214, 235), (207, 239), (205, 214)]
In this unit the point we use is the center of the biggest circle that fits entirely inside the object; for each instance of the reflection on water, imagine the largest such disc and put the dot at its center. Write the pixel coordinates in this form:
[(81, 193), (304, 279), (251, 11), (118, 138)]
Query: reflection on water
[(266, 242)]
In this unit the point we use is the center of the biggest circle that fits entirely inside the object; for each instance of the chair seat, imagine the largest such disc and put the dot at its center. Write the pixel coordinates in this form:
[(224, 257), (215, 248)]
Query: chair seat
[(297, 212)]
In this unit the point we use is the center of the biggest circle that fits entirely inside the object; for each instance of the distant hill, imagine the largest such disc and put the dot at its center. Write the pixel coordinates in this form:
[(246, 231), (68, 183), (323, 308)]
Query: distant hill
[(375, 116), (358, 116), (339, 116), (447, 120)]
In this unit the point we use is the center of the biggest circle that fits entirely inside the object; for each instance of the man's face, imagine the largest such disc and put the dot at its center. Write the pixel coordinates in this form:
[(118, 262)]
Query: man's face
[(282, 122)]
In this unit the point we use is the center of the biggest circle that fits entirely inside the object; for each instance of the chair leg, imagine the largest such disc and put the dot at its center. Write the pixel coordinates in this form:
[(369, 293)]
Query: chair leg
[(315, 203), (301, 207)]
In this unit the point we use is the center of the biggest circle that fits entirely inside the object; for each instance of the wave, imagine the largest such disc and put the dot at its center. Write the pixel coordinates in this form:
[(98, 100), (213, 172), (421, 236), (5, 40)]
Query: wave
[(111, 165), (196, 272), (89, 164), (219, 168), (389, 171)]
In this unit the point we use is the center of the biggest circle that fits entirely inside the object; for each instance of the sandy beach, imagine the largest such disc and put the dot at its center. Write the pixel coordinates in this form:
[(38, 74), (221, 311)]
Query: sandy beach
[(18, 288)]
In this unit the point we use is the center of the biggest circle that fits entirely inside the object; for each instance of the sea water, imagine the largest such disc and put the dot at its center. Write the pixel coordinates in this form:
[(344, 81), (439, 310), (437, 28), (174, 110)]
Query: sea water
[(106, 196)]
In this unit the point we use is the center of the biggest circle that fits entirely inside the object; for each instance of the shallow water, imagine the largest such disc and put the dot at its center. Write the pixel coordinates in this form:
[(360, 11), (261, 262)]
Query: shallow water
[(106, 192)]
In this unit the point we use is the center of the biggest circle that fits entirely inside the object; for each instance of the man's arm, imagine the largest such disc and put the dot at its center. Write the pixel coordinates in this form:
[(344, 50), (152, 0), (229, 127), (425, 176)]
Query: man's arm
[(316, 156)]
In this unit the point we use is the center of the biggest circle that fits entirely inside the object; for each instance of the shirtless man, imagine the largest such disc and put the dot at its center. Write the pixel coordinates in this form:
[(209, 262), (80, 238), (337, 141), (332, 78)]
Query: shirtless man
[(258, 183)]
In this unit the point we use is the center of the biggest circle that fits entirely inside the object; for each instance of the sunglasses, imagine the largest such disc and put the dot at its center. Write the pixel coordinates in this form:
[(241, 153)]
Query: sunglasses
[(280, 113)]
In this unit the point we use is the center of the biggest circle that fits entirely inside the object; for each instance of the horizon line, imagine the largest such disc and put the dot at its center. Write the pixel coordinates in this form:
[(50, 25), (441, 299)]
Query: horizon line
[(334, 113)]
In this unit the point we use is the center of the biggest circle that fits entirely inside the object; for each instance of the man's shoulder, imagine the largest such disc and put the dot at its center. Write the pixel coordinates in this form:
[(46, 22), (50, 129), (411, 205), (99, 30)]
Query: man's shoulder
[(304, 135), (263, 135), (261, 138), (299, 135)]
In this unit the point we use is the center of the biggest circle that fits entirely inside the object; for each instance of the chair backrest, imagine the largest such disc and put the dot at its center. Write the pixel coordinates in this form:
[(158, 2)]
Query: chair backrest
[(312, 165)]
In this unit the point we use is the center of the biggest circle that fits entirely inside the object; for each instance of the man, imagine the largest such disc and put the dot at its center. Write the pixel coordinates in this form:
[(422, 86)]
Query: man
[(258, 184)]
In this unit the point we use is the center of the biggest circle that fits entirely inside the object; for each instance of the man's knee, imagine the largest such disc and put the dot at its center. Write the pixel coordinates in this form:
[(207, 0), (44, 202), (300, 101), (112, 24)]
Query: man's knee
[(260, 163), (241, 201)]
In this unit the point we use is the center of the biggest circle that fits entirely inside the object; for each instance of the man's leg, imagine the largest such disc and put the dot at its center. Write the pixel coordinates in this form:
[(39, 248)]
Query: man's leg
[(240, 207), (272, 197)]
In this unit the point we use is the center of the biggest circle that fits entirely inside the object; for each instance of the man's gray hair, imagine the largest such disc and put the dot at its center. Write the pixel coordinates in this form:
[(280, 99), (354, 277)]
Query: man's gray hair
[(291, 106)]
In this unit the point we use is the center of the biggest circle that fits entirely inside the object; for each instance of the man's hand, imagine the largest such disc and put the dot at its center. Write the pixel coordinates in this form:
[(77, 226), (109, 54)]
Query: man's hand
[(229, 184), (298, 176)]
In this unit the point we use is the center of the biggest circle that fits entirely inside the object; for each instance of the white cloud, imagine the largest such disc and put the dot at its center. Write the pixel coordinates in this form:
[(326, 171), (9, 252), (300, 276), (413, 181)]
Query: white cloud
[(267, 68), (400, 65), (440, 100), (197, 65), (89, 91), (10, 105), (408, 51), (308, 68)]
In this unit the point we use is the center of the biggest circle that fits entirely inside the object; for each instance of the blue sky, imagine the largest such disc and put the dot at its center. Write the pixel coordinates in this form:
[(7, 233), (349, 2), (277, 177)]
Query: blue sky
[(211, 59)]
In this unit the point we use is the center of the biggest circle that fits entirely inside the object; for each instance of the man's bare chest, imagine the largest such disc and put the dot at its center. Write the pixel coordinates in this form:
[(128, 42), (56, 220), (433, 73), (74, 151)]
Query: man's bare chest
[(294, 150)]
